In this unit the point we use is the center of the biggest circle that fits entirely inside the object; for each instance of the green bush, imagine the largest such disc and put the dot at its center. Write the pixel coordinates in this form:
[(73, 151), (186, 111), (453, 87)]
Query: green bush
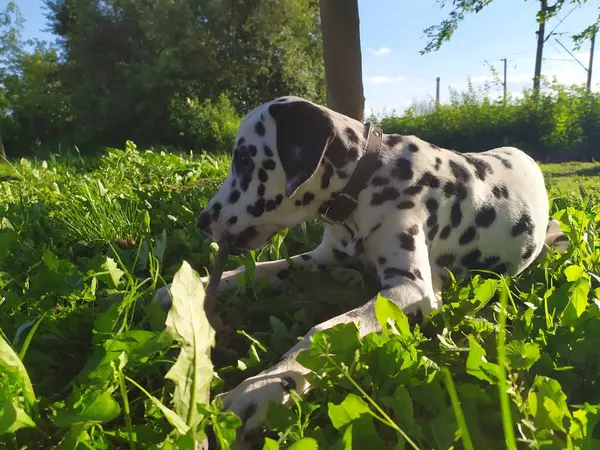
[(563, 123), (205, 125)]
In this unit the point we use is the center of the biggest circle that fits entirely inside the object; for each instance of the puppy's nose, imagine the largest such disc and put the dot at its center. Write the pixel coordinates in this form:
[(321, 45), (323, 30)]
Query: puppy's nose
[(204, 220)]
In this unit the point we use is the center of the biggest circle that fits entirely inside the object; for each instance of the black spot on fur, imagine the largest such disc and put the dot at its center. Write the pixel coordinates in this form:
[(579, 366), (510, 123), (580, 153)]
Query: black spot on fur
[(500, 191), (418, 274), (327, 174), (305, 257), (432, 207), (270, 205), (261, 190), (379, 181), (288, 383), (359, 246), (407, 242), (524, 225), (467, 236), (455, 215), (352, 136), (278, 199), (262, 175), (500, 269), (259, 128), (457, 189), (482, 168), (240, 141), (342, 174), (340, 255), (485, 216), (391, 272), (459, 171), (429, 180), (504, 161), (433, 232), (269, 164), (249, 412), (203, 220), (415, 318), (216, 211), (376, 227), (234, 196), (257, 209), (283, 274), (406, 204), (445, 232), (268, 151), (253, 150), (413, 147), (307, 198), (393, 140), (445, 260), (438, 163), (490, 262), (402, 169), (413, 190), (381, 260), (471, 259), (528, 251), (413, 230), (344, 242), (232, 220), (245, 236), (387, 194)]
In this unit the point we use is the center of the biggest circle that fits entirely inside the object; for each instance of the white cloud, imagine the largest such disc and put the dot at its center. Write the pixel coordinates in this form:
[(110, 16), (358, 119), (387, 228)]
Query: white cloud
[(382, 79), (381, 51)]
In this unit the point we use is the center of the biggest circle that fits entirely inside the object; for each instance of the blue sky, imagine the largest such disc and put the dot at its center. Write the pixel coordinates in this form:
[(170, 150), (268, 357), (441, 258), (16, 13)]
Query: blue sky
[(396, 75)]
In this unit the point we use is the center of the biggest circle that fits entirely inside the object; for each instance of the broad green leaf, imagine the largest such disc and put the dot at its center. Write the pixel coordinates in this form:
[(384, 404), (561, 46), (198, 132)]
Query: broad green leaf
[(13, 418), (306, 443), (187, 323), (548, 403), (574, 272), (113, 275), (95, 406), (352, 407), (578, 301), (77, 433), (485, 291), (391, 317), (354, 413), (270, 444), (478, 365), (522, 355), (12, 364)]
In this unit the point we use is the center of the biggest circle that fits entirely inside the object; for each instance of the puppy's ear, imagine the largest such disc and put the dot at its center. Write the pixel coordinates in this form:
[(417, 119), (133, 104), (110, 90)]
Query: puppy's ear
[(303, 134)]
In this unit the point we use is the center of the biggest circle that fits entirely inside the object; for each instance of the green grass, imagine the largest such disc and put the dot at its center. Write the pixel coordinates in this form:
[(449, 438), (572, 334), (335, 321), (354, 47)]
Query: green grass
[(84, 244)]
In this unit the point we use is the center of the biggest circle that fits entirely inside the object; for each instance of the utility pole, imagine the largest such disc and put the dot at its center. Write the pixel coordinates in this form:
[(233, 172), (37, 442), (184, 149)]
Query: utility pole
[(504, 83), (540, 47), (591, 64), (437, 91)]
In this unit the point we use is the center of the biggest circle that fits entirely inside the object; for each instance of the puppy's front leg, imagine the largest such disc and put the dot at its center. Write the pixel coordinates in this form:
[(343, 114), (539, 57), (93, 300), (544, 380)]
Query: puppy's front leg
[(250, 399)]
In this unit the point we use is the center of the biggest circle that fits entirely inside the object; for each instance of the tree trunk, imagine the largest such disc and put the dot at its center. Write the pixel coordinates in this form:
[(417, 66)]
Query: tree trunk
[(2, 151), (540, 48), (342, 55)]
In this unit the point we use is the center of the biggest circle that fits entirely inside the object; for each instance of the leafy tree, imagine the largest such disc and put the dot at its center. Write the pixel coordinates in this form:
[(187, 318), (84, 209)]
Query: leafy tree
[(442, 32), (32, 108), (128, 63)]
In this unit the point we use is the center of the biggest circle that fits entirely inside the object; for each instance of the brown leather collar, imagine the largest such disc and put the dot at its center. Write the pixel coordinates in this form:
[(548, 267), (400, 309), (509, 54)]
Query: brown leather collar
[(346, 201)]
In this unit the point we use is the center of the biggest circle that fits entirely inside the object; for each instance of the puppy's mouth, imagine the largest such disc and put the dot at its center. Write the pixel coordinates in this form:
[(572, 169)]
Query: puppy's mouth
[(247, 240)]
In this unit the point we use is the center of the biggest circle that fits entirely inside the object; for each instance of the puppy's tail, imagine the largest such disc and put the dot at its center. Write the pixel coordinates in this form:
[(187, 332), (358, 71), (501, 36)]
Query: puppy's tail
[(555, 238)]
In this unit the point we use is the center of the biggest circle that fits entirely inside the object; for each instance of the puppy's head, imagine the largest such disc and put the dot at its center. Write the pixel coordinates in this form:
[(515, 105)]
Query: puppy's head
[(274, 182)]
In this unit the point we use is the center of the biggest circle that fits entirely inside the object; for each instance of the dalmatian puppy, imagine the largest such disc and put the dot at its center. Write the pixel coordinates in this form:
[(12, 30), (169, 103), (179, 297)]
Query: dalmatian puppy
[(423, 210)]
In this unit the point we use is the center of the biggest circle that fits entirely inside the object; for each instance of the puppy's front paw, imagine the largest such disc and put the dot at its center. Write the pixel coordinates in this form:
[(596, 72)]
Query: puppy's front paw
[(250, 399)]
